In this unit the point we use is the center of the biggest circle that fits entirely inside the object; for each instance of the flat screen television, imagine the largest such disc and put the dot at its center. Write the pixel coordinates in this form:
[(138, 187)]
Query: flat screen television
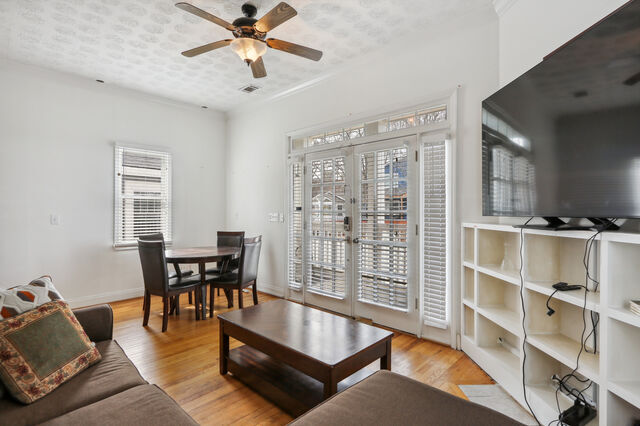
[(563, 139)]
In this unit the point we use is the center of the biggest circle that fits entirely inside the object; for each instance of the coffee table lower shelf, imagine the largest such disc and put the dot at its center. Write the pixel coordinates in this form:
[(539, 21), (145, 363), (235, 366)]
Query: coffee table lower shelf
[(288, 388)]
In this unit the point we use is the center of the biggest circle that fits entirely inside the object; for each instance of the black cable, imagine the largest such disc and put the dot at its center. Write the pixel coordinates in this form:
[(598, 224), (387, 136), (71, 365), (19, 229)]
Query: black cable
[(563, 381), (524, 328)]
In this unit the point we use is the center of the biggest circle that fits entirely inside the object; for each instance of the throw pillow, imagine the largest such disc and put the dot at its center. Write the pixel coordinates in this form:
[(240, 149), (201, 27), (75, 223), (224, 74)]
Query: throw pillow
[(23, 298), (41, 349)]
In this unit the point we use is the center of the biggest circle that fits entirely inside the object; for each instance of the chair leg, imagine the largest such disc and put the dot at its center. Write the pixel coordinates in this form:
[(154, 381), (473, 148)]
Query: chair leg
[(229, 295), (165, 313), (172, 305), (178, 304), (191, 298), (146, 307), (197, 294), (211, 301), (240, 304), (255, 292), (218, 292)]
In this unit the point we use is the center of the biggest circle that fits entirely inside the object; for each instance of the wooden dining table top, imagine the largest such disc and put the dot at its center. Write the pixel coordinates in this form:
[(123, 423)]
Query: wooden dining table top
[(200, 254)]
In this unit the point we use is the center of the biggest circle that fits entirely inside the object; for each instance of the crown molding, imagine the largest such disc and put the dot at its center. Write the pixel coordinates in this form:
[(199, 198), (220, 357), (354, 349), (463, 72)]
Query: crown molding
[(502, 6)]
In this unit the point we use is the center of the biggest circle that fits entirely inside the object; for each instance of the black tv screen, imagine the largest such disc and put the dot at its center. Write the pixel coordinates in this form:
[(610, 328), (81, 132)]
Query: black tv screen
[(563, 139)]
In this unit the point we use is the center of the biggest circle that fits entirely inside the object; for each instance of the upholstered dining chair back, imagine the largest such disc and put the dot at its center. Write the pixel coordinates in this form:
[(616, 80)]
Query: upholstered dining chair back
[(249, 259), (154, 267), (231, 239)]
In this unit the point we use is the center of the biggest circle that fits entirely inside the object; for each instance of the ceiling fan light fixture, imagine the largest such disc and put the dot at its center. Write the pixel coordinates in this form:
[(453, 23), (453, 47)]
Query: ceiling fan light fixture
[(249, 49)]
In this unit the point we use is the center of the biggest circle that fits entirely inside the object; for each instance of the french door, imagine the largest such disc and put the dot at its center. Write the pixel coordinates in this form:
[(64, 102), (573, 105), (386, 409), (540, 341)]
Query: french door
[(361, 232)]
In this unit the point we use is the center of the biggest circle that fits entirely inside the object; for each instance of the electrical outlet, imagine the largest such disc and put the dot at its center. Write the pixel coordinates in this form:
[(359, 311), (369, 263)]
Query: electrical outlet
[(55, 220)]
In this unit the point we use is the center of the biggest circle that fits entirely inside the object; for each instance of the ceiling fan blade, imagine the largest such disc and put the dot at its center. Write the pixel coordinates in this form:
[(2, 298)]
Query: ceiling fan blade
[(296, 49), (276, 16), (257, 67), (205, 15), (206, 48)]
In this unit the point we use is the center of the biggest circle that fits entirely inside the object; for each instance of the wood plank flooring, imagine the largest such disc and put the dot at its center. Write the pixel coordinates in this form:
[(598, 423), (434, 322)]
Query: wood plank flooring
[(184, 363)]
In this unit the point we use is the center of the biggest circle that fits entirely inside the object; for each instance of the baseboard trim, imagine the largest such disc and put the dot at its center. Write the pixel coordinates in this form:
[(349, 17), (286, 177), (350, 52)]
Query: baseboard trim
[(271, 289), (112, 296)]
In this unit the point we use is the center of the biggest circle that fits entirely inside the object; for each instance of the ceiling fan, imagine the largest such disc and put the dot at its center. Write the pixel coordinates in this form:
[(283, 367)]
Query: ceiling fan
[(251, 41)]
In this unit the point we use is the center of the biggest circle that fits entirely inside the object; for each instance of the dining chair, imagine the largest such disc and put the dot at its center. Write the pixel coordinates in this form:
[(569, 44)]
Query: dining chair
[(158, 283), (160, 237), (228, 239), (245, 276)]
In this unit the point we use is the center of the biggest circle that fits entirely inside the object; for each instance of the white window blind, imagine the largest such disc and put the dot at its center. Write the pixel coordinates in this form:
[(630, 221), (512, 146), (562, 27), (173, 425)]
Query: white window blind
[(434, 216), (326, 235), (296, 181), (142, 194), (382, 251)]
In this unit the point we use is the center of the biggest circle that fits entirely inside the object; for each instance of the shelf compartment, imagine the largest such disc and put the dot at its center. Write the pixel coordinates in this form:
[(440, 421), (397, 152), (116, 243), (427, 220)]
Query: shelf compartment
[(539, 369), (469, 245), (575, 297), (620, 412), (469, 286), (624, 315), (499, 251), (622, 360), (469, 323), (499, 301), (553, 259), (487, 334), (629, 391), (623, 272), (509, 276), (566, 350)]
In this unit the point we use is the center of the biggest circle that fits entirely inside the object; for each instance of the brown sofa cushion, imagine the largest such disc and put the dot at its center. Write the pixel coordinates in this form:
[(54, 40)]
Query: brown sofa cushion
[(387, 398), (42, 349), (141, 405), (114, 374)]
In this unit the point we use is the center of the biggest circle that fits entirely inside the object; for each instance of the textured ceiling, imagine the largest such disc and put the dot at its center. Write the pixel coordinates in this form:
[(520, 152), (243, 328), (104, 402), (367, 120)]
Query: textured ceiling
[(137, 43)]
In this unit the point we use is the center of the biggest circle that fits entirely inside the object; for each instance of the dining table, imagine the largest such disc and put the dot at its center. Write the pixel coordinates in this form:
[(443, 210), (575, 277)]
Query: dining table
[(202, 256)]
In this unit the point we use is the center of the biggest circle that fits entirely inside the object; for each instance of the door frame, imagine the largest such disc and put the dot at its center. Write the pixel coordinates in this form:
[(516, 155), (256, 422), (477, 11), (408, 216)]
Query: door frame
[(448, 97)]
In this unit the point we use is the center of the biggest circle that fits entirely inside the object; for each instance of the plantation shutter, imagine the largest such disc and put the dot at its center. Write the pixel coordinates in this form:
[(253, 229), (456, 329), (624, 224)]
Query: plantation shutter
[(382, 251), (434, 216), (296, 182), (142, 203)]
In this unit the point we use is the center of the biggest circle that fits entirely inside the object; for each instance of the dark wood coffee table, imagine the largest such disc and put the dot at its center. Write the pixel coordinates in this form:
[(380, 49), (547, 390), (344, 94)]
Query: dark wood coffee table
[(298, 356)]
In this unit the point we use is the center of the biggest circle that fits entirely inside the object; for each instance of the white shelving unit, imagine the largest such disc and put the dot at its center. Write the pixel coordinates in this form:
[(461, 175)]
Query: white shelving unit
[(492, 316)]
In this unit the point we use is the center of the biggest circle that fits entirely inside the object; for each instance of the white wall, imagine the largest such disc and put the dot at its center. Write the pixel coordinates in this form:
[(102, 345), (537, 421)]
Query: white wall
[(461, 53), (56, 156), (531, 29)]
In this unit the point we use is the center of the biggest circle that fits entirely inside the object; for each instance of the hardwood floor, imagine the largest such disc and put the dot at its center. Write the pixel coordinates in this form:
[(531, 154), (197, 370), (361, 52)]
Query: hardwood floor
[(184, 363)]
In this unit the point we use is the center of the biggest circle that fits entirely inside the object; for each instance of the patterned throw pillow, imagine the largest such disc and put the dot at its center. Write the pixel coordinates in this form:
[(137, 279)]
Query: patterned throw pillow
[(23, 298), (41, 349)]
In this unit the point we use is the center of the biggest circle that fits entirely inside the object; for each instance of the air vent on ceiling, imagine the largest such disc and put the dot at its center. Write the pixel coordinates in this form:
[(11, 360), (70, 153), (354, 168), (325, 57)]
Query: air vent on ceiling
[(249, 89)]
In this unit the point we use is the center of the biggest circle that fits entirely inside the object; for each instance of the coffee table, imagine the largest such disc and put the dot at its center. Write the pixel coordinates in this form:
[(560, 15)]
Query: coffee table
[(297, 356)]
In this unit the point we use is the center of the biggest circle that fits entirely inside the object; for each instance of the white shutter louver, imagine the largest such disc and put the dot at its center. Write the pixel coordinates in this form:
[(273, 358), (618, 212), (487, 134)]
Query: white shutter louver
[(434, 218), (142, 202), (296, 180), (382, 251)]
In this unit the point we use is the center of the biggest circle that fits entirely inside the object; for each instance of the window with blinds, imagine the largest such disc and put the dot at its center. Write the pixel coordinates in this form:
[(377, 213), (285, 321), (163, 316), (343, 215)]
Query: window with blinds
[(296, 182), (326, 236), (434, 238), (142, 194), (382, 251)]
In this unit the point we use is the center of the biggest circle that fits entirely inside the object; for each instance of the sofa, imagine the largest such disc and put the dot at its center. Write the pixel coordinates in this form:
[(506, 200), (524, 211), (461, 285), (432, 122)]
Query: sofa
[(387, 398), (111, 392)]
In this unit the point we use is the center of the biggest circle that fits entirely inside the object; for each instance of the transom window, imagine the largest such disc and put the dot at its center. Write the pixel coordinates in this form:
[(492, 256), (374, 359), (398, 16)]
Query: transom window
[(381, 125)]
